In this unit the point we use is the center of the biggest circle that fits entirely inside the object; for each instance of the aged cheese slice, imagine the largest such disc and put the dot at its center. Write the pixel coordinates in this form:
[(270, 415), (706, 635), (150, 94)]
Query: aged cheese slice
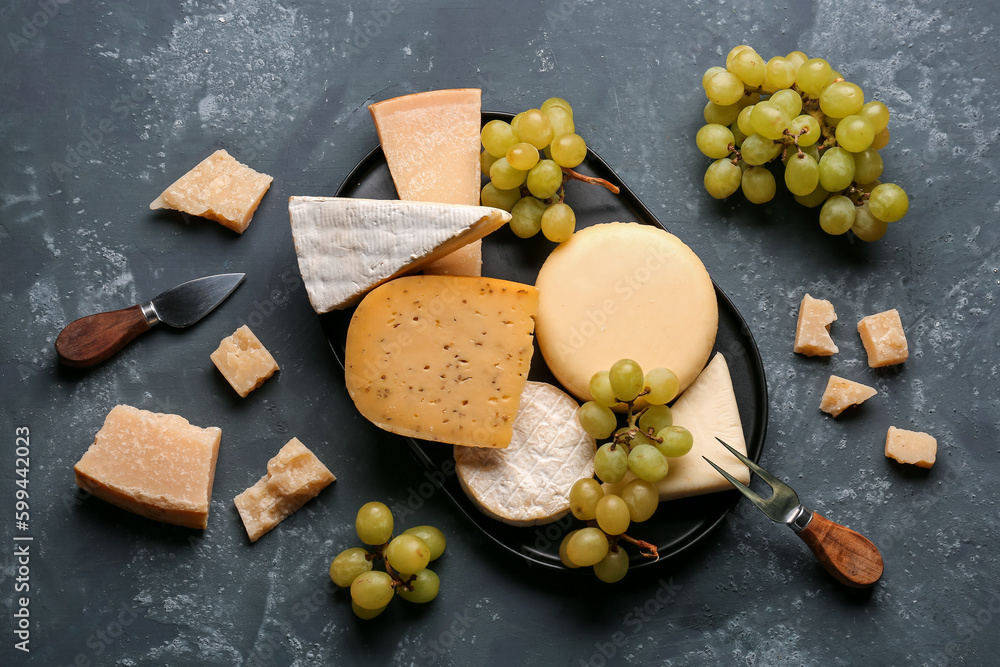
[(442, 358), (219, 188), (841, 394), (884, 340), (624, 290), (708, 409), (431, 143), (345, 247), (914, 447), (528, 483), (244, 361), (294, 476), (812, 331), (156, 465)]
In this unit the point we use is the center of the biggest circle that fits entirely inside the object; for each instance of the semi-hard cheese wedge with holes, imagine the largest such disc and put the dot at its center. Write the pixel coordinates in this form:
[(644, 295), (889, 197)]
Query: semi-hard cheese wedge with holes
[(528, 483), (708, 409), (442, 358), (345, 247), (156, 465), (431, 143)]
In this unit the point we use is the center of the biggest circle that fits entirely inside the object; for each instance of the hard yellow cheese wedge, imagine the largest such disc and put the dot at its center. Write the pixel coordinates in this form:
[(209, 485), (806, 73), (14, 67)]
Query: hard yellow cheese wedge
[(442, 358)]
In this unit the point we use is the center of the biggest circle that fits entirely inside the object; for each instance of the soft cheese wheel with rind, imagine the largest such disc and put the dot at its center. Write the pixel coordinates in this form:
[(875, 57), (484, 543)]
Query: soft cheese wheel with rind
[(528, 483), (431, 144), (442, 358), (624, 290)]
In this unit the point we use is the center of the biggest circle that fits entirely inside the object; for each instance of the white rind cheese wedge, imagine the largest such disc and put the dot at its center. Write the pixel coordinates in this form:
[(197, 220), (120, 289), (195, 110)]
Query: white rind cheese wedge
[(708, 409), (346, 247), (528, 483)]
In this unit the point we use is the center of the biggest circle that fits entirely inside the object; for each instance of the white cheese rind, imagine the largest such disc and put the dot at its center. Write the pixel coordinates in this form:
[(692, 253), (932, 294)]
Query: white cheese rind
[(346, 247), (528, 483)]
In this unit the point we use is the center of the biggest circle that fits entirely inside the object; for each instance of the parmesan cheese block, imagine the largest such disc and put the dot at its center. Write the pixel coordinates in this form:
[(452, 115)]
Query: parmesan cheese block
[(294, 476), (708, 409), (219, 188), (841, 394), (914, 447), (624, 290), (884, 340), (244, 361), (812, 331), (345, 247), (431, 143), (442, 358), (528, 483), (156, 465)]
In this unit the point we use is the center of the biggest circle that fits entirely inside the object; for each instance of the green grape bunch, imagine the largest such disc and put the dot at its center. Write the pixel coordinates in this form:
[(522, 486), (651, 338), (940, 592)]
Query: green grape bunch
[(528, 161), (801, 112), (642, 447), (405, 556)]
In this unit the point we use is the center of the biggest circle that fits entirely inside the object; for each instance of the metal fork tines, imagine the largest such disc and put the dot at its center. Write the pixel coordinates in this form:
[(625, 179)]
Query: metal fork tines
[(782, 506)]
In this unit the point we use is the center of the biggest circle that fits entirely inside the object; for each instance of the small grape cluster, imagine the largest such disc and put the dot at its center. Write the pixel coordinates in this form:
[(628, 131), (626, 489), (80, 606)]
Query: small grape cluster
[(802, 112), (528, 160), (406, 557), (642, 447)]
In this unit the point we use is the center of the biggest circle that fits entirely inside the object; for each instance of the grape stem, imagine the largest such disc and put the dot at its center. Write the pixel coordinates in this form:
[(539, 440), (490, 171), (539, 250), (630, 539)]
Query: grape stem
[(575, 175), (397, 581), (650, 549)]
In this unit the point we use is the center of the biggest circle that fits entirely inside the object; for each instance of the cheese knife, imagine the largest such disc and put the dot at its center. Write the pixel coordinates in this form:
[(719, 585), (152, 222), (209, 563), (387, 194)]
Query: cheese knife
[(94, 338)]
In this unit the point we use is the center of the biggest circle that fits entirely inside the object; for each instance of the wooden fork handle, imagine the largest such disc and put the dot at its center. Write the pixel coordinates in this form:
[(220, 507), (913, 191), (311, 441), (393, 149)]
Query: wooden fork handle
[(92, 339), (849, 556)]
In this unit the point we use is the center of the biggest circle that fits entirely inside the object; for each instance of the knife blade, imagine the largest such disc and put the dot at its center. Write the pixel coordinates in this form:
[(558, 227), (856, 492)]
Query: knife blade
[(92, 339)]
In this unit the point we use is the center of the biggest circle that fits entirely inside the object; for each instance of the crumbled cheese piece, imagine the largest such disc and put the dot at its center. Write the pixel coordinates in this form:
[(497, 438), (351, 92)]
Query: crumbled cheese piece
[(884, 340), (841, 394), (919, 449), (244, 361), (812, 332)]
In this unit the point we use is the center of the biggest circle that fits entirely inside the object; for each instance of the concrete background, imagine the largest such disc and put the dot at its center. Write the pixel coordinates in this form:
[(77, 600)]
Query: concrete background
[(104, 104)]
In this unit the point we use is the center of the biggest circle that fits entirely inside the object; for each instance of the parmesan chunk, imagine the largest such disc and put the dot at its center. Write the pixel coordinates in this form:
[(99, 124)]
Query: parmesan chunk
[(244, 361), (812, 332), (841, 394), (883, 338), (919, 449)]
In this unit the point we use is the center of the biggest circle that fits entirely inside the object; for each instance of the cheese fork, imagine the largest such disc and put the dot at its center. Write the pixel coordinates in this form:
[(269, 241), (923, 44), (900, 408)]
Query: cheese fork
[(850, 557)]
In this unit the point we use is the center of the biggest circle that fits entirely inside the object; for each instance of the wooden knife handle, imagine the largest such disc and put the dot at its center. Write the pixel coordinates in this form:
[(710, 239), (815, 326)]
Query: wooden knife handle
[(92, 339), (849, 556)]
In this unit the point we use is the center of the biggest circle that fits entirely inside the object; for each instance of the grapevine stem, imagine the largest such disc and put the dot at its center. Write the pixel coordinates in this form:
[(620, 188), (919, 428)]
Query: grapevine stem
[(650, 549), (591, 179)]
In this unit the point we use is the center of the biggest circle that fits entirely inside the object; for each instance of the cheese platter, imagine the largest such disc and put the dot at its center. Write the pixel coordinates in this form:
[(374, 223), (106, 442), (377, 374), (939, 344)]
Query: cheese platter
[(680, 524)]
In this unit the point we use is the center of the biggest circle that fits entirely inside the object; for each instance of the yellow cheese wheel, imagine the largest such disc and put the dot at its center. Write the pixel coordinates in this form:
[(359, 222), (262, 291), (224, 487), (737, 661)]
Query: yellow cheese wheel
[(624, 290)]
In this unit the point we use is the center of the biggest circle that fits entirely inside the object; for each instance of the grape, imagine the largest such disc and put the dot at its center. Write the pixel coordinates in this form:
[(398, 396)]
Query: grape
[(731, 56), (485, 162), (583, 497), (868, 187), (779, 73), (790, 152), (801, 174), (372, 590), (526, 217), (866, 226), (749, 67), (868, 165), (408, 554), (748, 99), (535, 128), (568, 150), (600, 389), (811, 125), (610, 463), (544, 179), (875, 113), (626, 376), (832, 121), (836, 169), (677, 441), (854, 133), (347, 565), (646, 462), (522, 156), (709, 73), (881, 140), (515, 122), (597, 420), (724, 88), (558, 222), (888, 202), (506, 177), (498, 137), (432, 537), (715, 141), (374, 524), (841, 99), (612, 515), (642, 499), (723, 178), (758, 185), (837, 215), (814, 198), (722, 115), (562, 550), (769, 120), (738, 136), (813, 75), (797, 58), (789, 100), (425, 587), (493, 196), (556, 102), (655, 418), (613, 567), (662, 384), (365, 614), (756, 150), (561, 120), (743, 120), (587, 547)]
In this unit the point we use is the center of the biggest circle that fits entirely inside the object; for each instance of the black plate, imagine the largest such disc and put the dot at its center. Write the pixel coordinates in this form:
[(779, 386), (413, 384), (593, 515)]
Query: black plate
[(678, 524)]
